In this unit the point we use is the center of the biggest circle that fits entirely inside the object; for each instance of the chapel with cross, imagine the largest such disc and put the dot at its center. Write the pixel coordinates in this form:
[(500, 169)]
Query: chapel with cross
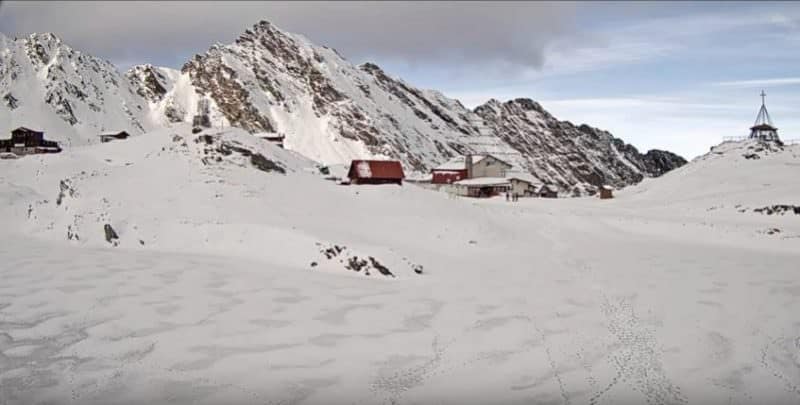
[(763, 128)]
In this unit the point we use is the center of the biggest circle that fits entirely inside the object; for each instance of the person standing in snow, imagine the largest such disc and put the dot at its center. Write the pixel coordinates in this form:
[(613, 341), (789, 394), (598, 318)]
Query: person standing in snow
[(506, 195)]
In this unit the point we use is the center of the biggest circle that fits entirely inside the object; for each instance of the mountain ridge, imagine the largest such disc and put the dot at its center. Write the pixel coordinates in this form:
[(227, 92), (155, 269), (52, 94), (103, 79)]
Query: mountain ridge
[(330, 110)]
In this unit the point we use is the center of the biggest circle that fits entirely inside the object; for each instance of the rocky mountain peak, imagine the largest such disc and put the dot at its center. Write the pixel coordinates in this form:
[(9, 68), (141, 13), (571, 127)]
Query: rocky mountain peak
[(148, 81), (41, 48), (371, 68), (526, 104), (329, 110), (45, 38)]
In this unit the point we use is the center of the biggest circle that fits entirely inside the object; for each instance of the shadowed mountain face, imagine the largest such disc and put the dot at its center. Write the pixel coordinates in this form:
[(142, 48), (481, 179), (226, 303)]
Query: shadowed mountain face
[(329, 109)]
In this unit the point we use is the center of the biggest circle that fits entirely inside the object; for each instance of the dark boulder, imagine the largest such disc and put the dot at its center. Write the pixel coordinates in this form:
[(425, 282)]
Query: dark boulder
[(111, 234)]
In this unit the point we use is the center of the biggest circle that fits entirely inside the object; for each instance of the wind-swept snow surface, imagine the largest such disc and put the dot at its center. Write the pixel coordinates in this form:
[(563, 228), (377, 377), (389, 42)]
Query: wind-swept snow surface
[(233, 282)]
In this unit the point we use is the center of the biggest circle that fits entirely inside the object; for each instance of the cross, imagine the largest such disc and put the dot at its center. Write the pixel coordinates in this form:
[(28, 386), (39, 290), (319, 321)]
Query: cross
[(763, 95)]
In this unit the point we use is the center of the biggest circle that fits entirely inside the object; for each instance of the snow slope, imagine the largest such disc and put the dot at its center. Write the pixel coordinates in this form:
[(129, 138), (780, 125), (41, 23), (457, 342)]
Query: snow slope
[(655, 296), (72, 96), (726, 175)]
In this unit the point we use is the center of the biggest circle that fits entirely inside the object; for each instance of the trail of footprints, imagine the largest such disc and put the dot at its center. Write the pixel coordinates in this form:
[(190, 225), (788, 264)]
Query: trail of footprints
[(790, 383), (638, 362)]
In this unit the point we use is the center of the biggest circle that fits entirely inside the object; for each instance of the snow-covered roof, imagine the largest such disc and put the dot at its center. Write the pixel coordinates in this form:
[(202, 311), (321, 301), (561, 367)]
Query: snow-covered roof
[(459, 162), (527, 177), (456, 163), (25, 129), (269, 135), (483, 181), (113, 133), (420, 177)]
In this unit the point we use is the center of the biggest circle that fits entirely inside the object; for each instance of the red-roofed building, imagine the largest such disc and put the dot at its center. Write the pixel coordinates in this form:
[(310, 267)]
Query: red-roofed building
[(376, 172)]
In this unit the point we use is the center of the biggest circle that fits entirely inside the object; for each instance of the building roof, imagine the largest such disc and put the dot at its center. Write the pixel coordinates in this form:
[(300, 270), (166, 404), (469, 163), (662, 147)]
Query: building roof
[(26, 130), (765, 127), (523, 176), (269, 135), (521, 180), (376, 169), (114, 133), (548, 187), (456, 163), (483, 181), (459, 162), (607, 187)]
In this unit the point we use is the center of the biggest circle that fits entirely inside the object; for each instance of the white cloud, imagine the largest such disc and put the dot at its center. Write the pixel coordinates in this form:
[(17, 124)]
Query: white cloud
[(441, 32), (775, 82)]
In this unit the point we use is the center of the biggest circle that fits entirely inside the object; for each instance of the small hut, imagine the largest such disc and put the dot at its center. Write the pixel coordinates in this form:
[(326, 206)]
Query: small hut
[(277, 139), (113, 136), (521, 186), (548, 191), (606, 192), (375, 172)]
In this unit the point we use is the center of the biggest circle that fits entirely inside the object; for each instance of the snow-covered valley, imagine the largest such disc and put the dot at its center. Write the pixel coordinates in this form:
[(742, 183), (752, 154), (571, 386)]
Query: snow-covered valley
[(231, 280)]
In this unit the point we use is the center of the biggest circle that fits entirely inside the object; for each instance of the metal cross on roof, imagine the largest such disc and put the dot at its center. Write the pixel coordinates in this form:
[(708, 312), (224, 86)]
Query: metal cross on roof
[(763, 117)]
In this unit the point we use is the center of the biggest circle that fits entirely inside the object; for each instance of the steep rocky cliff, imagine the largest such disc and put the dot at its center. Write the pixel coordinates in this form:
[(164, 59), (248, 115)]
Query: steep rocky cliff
[(567, 155)]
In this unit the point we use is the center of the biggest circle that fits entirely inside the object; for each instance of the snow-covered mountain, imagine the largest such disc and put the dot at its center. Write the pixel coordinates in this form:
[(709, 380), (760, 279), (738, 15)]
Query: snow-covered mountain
[(569, 155), (329, 109), (73, 96)]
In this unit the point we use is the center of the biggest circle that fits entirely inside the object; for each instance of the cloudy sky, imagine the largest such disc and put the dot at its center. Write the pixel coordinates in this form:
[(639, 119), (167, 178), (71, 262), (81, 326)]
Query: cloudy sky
[(676, 76)]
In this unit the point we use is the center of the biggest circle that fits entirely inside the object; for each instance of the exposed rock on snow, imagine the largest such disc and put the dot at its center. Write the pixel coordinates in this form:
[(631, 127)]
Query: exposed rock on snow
[(349, 260), (111, 234), (64, 189), (261, 163), (11, 101), (217, 148), (779, 209)]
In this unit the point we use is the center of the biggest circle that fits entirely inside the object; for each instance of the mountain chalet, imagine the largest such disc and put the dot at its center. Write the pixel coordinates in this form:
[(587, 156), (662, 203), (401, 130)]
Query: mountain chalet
[(483, 176), (26, 141)]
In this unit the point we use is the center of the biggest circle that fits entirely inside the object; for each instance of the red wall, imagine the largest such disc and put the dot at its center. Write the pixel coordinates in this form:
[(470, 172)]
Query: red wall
[(449, 176)]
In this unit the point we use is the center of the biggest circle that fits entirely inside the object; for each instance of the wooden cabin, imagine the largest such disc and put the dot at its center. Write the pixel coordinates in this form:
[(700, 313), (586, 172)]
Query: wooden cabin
[(606, 192)]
